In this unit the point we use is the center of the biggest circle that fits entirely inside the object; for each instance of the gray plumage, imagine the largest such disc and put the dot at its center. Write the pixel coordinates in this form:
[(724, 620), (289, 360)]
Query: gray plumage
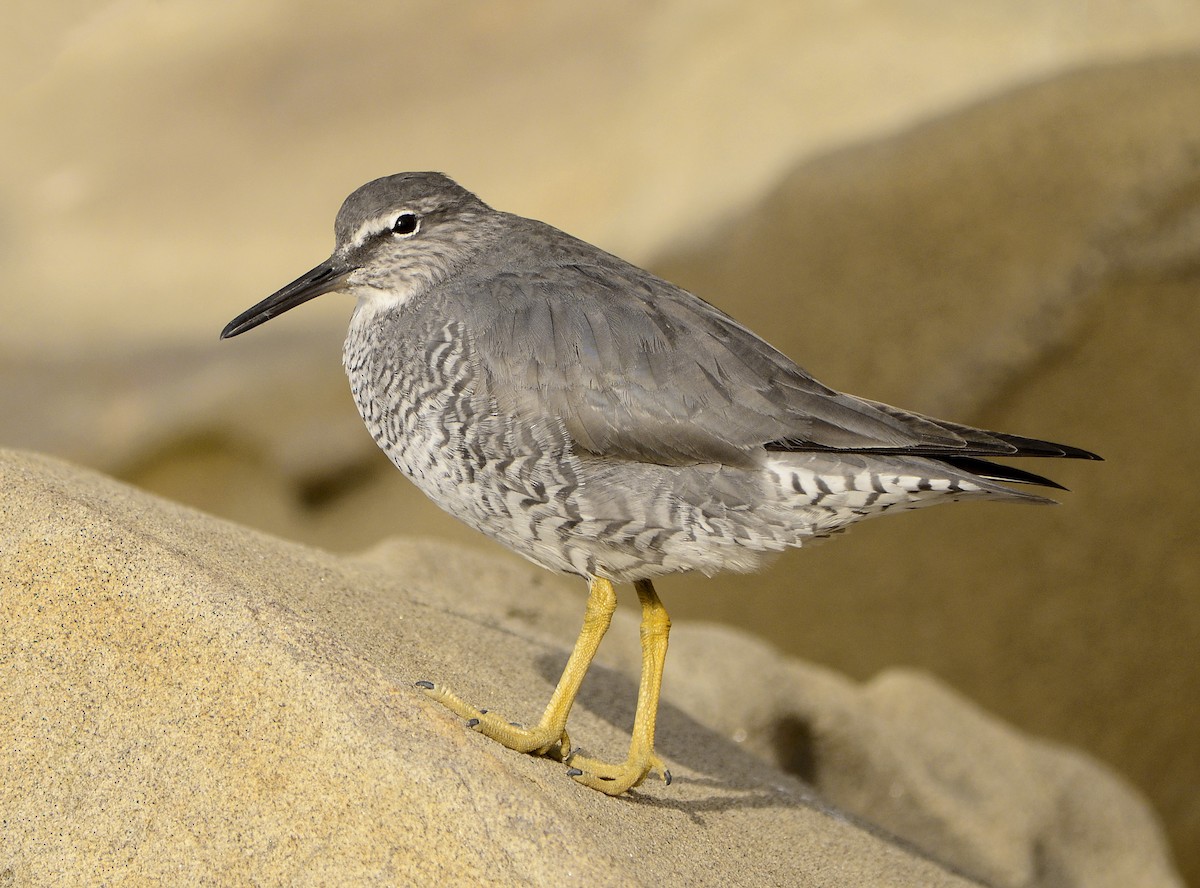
[(597, 419)]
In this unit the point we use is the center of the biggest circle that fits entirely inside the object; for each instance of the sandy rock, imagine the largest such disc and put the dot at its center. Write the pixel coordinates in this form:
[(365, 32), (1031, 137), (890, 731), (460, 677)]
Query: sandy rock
[(904, 752), (189, 700)]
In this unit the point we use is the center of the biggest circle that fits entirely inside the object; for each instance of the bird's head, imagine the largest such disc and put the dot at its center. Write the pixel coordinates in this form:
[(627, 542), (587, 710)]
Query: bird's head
[(396, 237)]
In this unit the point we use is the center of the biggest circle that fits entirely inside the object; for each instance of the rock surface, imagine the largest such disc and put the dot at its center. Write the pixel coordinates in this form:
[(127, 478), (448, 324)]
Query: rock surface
[(189, 700)]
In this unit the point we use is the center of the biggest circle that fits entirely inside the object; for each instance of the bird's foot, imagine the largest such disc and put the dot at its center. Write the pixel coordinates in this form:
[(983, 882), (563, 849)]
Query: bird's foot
[(548, 739), (549, 736), (615, 778)]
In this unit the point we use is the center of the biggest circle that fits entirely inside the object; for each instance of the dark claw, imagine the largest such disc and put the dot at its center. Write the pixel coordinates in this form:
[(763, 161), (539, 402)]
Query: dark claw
[(483, 712), (574, 772), (667, 777), (472, 722), (427, 685)]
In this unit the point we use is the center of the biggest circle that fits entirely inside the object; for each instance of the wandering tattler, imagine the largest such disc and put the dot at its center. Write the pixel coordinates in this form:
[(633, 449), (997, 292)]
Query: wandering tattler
[(603, 422)]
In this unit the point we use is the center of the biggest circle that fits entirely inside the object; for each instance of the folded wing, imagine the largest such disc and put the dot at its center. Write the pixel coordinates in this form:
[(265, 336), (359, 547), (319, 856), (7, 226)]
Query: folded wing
[(636, 368)]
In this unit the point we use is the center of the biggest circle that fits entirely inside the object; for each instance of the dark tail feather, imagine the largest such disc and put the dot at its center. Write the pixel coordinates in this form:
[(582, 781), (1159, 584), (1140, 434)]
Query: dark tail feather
[(996, 472), (1035, 447)]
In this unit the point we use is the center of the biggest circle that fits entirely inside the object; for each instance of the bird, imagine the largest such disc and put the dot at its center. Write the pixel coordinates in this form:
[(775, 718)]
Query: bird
[(605, 423)]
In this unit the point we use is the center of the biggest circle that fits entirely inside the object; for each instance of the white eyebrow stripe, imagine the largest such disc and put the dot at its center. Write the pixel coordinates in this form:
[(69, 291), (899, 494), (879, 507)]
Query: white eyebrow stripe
[(373, 226)]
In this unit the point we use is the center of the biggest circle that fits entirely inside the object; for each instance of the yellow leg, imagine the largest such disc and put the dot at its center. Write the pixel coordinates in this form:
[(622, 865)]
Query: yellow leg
[(550, 734), (615, 778)]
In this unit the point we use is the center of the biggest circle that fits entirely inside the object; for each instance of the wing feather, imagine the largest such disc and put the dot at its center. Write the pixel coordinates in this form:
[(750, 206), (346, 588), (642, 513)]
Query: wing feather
[(636, 368)]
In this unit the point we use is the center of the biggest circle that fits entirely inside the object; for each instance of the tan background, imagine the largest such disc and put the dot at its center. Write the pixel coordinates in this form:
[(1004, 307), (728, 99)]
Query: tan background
[(989, 211)]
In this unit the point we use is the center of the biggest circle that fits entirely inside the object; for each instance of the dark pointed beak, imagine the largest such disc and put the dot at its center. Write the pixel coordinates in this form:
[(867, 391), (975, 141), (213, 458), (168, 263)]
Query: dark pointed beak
[(326, 277)]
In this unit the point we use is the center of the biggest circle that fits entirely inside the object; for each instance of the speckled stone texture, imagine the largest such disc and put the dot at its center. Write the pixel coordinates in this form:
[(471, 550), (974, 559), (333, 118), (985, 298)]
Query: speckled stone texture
[(189, 700)]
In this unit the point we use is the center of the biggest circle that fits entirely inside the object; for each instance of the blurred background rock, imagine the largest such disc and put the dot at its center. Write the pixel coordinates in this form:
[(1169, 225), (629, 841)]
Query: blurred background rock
[(987, 211)]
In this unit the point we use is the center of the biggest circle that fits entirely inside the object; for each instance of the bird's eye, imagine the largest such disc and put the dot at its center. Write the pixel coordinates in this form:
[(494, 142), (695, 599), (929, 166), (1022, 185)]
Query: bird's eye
[(406, 225)]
